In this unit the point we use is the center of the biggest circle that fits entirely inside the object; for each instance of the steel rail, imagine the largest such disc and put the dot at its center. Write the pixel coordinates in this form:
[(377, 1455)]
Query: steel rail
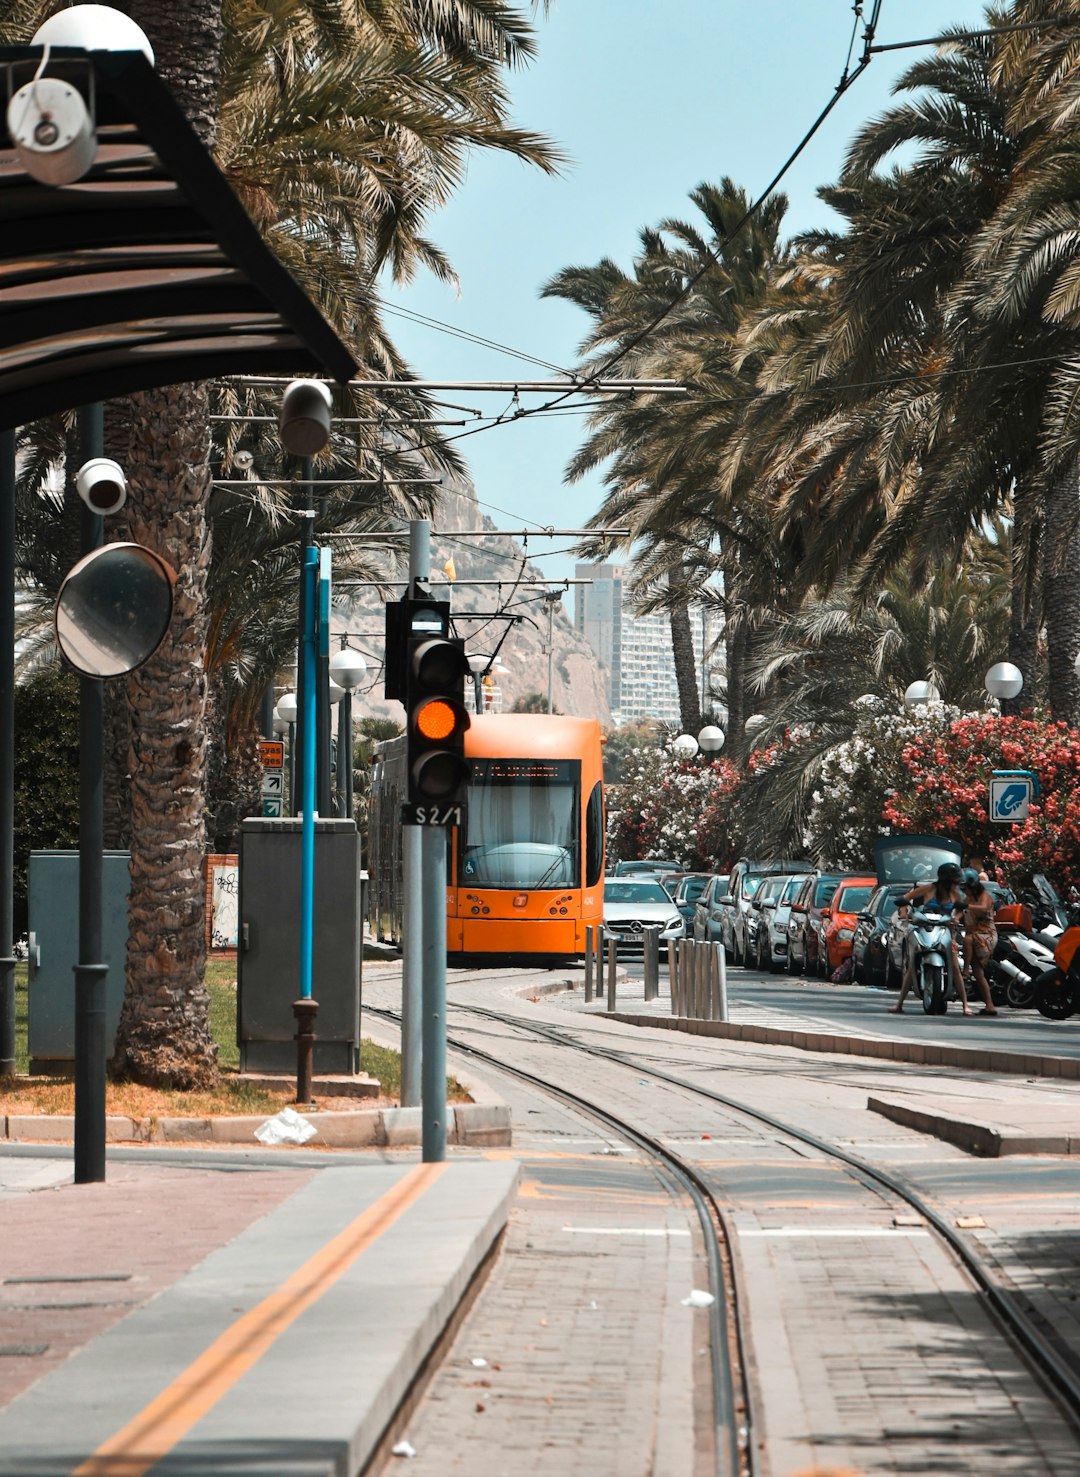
[(733, 1456), (1059, 1374)]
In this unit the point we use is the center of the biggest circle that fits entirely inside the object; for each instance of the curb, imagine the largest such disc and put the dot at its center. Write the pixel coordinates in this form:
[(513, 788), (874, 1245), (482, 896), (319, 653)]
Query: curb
[(971, 1059), (473, 1125), (987, 1140)]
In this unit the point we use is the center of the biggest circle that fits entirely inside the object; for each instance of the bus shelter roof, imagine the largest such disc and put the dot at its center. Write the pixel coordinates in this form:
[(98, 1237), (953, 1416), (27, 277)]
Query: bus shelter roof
[(146, 272)]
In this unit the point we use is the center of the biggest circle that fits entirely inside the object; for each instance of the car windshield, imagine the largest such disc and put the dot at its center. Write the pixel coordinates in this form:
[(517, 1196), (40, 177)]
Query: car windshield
[(770, 890), (750, 885), (691, 888), (885, 906), (791, 887), (522, 824), (853, 899), (635, 892), (823, 891)]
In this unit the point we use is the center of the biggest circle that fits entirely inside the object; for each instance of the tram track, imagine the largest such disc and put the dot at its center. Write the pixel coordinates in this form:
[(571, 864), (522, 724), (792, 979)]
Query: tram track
[(1057, 1370), (732, 1393)]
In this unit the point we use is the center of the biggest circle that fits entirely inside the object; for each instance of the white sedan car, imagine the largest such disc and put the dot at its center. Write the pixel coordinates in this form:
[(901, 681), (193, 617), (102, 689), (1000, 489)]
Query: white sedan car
[(632, 906)]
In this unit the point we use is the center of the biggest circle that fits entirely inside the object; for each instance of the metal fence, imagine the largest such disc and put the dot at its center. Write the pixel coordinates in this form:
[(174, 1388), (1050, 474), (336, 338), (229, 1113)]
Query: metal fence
[(696, 974)]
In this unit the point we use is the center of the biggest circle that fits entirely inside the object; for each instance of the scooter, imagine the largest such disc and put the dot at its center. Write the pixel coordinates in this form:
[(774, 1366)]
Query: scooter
[(929, 945), (1019, 958), (1057, 990)]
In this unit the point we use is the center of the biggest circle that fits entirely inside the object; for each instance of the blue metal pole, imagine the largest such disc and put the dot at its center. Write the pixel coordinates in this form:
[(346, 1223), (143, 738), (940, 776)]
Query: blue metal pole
[(306, 1007), (307, 779)]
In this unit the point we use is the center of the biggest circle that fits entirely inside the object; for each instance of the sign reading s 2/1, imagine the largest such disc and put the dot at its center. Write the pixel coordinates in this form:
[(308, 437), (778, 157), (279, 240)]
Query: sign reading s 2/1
[(432, 815)]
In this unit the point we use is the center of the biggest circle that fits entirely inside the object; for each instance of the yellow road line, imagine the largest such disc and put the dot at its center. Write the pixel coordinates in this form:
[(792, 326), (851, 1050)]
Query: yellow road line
[(171, 1415)]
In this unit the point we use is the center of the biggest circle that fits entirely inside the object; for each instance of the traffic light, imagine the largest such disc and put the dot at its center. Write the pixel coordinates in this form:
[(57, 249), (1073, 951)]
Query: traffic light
[(436, 724)]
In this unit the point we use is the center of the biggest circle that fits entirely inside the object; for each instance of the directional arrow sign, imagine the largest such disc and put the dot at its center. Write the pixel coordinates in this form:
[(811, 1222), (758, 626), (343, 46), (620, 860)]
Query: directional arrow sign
[(272, 783)]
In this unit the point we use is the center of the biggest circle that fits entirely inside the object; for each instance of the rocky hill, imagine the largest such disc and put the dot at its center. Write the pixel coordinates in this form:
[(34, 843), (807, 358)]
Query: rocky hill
[(578, 682)]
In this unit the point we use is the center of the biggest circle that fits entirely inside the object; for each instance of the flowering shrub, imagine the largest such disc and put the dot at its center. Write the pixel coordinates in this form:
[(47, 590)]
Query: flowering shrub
[(859, 777), (947, 777), (666, 806)]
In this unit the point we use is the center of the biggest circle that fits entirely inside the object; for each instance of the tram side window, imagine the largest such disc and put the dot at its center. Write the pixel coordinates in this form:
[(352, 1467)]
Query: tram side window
[(594, 836)]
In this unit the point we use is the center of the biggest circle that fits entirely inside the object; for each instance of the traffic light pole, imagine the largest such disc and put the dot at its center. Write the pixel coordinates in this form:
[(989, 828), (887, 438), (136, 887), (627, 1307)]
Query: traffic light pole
[(435, 1108), (412, 976)]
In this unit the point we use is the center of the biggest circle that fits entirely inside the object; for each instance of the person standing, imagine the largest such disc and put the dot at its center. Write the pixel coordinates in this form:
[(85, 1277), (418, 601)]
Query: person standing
[(980, 933)]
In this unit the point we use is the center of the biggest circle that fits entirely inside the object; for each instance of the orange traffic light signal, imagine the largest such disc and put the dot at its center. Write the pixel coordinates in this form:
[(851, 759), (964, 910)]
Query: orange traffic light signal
[(437, 720)]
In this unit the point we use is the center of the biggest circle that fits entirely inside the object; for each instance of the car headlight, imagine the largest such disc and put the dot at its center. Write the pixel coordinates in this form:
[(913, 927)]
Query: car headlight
[(845, 933), (673, 923)]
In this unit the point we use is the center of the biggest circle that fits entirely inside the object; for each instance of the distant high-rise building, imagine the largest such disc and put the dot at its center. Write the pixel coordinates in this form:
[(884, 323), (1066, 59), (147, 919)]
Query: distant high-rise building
[(636, 649)]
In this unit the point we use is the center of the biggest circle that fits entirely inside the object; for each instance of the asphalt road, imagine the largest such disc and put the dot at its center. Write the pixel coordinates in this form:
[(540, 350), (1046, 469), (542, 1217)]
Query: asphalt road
[(785, 1000)]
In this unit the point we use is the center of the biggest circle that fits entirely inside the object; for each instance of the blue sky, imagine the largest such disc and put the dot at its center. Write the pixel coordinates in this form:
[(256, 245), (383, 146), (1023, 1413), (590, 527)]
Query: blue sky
[(649, 98)]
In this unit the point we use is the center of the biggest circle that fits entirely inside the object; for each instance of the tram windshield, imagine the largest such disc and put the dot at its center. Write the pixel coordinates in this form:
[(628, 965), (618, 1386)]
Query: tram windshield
[(523, 824)]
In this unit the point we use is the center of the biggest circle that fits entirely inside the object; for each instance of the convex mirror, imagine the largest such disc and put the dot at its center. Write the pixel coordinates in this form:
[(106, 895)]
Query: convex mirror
[(114, 609)]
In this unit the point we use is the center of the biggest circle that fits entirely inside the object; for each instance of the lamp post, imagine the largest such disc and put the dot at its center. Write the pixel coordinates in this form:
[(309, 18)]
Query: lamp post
[(285, 713), (347, 670), (710, 739), (919, 694), (1003, 680)]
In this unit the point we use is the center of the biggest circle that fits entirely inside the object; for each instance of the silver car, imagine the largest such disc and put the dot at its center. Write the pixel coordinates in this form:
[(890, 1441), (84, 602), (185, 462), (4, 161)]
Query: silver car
[(631, 906), (772, 940)]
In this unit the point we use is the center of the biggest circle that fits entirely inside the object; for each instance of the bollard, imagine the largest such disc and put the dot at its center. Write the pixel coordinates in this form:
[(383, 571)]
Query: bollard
[(721, 981), (612, 953), (588, 963), (652, 963), (712, 982), (681, 967), (702, 981), (671, 971)]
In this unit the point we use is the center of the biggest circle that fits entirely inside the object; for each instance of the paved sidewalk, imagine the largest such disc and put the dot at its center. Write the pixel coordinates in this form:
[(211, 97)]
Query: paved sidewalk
[(258, 1315)]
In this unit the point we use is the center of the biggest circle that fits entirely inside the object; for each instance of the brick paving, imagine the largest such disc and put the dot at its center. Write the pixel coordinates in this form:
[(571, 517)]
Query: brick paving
[(125, 1240), (588, 1350)]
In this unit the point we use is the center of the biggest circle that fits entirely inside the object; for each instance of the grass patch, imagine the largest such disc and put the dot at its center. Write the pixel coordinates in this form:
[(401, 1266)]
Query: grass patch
[(232, 1096)]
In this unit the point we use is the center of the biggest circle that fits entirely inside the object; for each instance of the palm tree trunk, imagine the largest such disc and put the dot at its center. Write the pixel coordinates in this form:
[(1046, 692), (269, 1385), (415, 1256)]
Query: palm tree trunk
[(1023, 634), (736, 641), (164, 1033), (1061, 592), (682, 651)]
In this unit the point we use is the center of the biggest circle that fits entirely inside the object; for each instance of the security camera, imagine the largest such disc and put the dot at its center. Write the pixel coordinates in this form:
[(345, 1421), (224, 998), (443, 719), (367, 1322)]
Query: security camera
[(102, 485), (304, 421), (52, 131), (243, 461)]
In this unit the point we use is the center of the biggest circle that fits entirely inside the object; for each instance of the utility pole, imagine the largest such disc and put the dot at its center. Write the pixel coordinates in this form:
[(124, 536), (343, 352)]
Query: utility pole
[(412, 937)]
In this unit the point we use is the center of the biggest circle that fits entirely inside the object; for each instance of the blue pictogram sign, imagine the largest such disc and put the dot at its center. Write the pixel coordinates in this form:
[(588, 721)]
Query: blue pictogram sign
[(1011, 794)]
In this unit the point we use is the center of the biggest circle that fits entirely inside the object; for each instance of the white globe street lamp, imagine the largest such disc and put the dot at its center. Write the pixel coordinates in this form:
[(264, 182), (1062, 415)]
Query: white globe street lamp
[(754, 723), (285, 714), (286, 707), (686, 746), (347, 668), (710, 739), (1003, 680), (919, 694)]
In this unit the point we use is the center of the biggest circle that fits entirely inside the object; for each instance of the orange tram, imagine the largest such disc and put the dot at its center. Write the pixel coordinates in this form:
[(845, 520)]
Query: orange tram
[(525, 872)]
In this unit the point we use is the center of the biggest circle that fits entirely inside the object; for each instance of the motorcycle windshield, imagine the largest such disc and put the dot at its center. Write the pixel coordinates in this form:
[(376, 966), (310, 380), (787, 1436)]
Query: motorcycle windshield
[(911, 859)]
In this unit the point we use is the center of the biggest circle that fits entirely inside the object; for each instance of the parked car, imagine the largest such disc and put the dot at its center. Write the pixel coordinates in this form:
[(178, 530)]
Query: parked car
[(772, 939), (688, 889), (746, 877), (839, 920), (869, 944), (644, 868), (708, 913), (804, 924), (632, 904), (762, 906)]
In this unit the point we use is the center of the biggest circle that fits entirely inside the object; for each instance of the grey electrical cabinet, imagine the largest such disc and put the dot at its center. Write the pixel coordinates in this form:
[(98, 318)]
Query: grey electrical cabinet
[(53, 908), (268, 947)]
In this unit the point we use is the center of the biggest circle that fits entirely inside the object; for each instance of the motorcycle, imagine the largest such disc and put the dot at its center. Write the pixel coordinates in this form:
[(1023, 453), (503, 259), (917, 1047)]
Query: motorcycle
[(1019, 958), (1057, 990), (929, 948)]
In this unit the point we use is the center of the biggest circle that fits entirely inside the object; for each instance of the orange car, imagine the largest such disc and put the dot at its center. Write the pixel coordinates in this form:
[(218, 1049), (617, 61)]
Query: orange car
[(839, 920)]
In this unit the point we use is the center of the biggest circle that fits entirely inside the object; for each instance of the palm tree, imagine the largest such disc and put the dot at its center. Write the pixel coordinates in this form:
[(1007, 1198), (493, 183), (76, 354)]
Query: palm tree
[(364, 116), (661, 456), (817, 666)]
